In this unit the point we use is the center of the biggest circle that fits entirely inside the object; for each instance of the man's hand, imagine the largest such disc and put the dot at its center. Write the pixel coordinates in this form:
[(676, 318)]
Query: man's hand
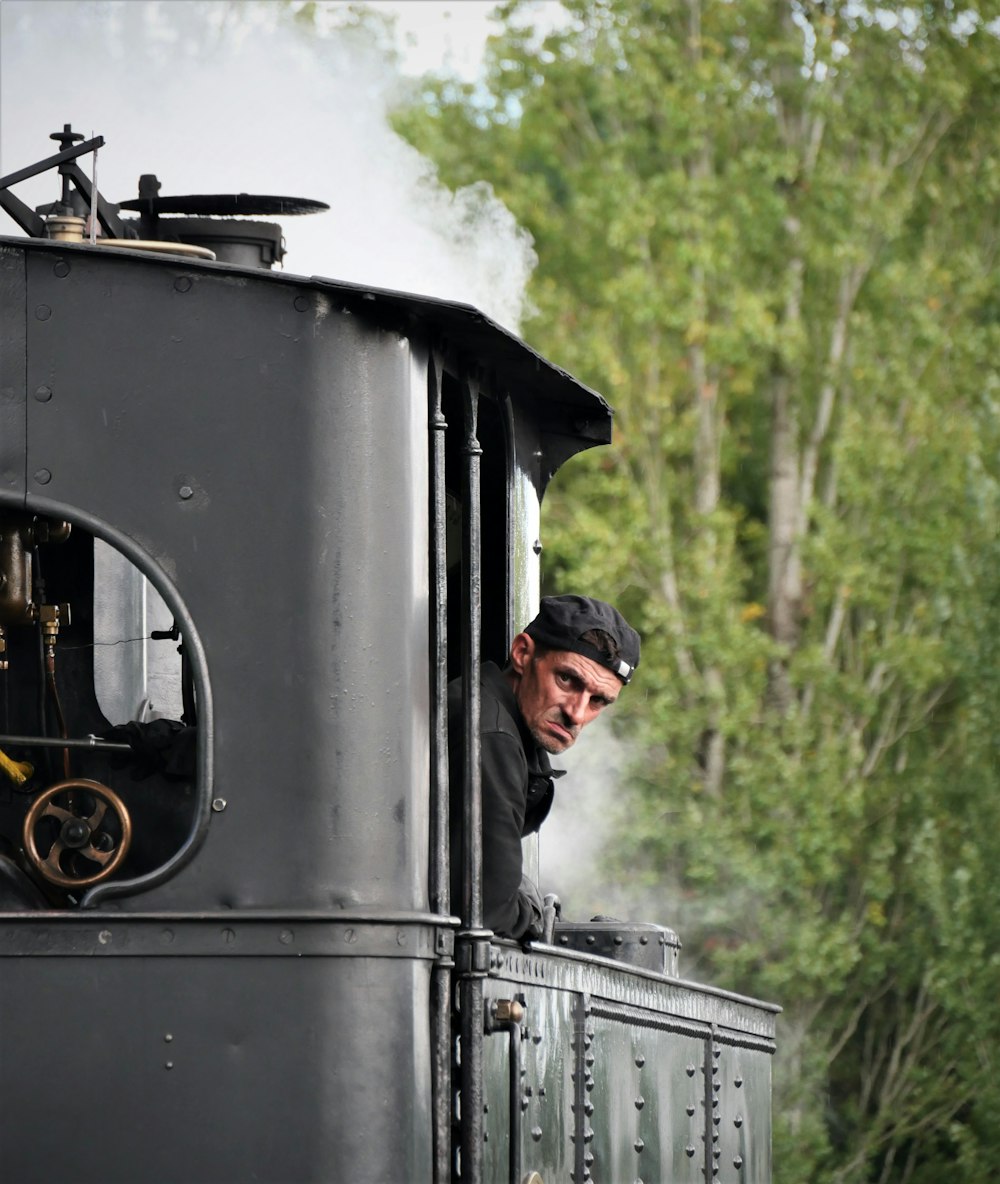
[(531, 910)]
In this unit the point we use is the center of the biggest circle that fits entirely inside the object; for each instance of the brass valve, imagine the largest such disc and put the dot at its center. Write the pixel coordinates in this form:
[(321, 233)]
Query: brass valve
[(52, 617), (508, 1011)]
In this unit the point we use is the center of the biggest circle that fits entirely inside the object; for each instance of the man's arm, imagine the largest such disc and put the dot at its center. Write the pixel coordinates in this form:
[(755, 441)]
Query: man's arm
[(511, 907)]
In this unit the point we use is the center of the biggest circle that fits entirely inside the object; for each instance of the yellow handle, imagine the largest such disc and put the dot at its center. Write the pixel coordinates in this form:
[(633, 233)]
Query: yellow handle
[(17, 771)]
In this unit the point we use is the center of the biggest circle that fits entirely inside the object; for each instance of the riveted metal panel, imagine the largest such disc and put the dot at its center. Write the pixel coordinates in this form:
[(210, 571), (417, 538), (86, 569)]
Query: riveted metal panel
[(207, 1070), (546, 1090), (643, 1063), (744, 1116), (648, 1095)]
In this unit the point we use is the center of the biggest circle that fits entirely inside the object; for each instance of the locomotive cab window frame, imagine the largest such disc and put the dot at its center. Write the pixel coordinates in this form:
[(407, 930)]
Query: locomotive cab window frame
[(97, 799)]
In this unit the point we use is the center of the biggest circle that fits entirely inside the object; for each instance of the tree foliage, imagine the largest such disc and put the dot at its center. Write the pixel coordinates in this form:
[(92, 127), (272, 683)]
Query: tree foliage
[(768, 233)]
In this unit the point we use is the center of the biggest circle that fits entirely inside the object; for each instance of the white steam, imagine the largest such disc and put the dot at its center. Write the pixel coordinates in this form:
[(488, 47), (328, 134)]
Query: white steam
[(587, 815), (215, 97)]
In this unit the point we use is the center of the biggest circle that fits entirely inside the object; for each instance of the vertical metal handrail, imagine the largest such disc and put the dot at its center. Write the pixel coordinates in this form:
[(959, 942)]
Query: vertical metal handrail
[(473, 941), (440, 890), (472, 612), (440, 887)]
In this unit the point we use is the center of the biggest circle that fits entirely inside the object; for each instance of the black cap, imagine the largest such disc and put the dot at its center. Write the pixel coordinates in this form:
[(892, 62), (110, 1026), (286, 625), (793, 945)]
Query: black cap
[(562, 621)]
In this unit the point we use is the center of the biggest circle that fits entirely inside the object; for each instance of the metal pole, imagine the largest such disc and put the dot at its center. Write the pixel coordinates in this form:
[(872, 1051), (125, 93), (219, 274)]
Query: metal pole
[(441, 1034), (473, 941)]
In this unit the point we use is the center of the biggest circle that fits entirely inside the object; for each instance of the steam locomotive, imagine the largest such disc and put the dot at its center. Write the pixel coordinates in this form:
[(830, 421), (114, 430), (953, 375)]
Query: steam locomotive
[(251, 525)]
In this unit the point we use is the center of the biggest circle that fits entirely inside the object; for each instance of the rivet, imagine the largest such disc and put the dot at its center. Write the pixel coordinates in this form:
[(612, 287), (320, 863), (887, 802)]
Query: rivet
[(301, 303), (644, 940), (717, 1053), (738, 1120), (182, 283), (43, 476), (618, 940), (716, 1119), (537, 548), (43, 394), (589, 1059), (588, 1159), (690, 1111), (61, 269), (167, 1038), (690, 1070), (591, 939), (228, 936), (689, 1151), (104, 937), (639, 1145), (536, 1133), (185, 493), (640, 1102), (588, 1108), (640, 1060), (169, 1065), (42, 312), (738, 1082), (219, 804), (350, 936), (166, 936), (737, 1162), (286, 937)]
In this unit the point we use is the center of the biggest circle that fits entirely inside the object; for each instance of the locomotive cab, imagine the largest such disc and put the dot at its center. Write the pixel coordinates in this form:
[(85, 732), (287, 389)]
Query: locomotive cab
[(251, 525)]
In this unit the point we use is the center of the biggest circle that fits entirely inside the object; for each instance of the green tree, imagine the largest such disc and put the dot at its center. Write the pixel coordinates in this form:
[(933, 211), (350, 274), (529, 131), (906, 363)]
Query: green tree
[(767, 232)]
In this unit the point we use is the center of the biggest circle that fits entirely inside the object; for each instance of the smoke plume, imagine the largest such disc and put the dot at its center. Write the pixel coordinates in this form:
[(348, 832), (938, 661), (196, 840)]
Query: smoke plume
[(216, 97)]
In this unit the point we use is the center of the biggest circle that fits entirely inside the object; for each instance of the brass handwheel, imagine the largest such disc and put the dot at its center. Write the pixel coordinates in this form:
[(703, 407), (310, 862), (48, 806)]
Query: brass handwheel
[(77, 834)]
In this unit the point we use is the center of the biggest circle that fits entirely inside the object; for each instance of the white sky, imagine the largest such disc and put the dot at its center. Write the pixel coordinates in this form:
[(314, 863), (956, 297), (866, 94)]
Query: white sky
[(436, 34)]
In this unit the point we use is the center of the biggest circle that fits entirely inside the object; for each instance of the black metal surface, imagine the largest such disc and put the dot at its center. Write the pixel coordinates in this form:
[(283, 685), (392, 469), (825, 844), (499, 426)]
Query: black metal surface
[(13, 383), (247, 204), (440, 856), (653, 947), (215, 1070)]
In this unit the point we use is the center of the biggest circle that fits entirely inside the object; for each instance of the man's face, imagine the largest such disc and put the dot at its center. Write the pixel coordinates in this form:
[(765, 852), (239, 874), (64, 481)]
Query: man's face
[(559, 692)]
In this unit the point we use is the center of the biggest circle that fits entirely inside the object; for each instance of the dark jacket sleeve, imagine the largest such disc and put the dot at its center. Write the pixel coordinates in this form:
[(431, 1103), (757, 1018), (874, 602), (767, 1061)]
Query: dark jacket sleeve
[(505, 773)]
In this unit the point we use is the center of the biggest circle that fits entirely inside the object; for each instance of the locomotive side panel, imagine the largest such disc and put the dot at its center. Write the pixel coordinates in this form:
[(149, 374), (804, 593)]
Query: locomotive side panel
[(214, 1054), (621, 1075)]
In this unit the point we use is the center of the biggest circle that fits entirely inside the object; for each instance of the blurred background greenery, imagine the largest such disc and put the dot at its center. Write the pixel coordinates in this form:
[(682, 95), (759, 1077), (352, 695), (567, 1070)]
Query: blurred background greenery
[(767, 232)]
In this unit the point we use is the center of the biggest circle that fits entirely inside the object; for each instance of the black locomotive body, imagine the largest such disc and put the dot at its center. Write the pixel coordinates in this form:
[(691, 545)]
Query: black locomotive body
[(252, 524)]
